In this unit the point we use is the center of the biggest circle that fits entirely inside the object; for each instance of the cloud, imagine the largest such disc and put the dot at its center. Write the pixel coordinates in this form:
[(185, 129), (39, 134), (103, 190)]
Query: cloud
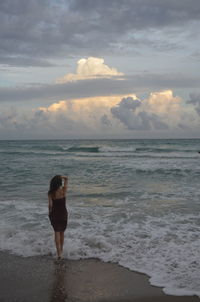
[(66, 118), (44, 30), (87, 115), (69, 90), (139, 14), (90, 68), (103, 116), (129, 112), (24, 61), (105, 120), (195, 101), (138, 83), (160, 111)]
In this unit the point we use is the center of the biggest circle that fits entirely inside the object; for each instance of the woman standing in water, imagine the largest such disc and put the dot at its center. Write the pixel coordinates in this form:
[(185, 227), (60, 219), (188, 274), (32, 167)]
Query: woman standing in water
[(57, 210)]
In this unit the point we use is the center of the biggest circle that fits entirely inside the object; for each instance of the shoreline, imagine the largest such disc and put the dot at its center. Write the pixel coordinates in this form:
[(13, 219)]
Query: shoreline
[(42, 278)]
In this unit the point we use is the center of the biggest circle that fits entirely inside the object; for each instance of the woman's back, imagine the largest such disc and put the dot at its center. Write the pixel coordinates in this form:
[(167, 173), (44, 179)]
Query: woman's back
[(59, 210)]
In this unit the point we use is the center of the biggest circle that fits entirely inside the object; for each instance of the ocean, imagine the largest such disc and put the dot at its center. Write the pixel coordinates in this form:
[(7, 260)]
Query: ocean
[(132, 202)]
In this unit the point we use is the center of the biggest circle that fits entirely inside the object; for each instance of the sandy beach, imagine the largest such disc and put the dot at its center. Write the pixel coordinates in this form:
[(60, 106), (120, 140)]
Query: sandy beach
[(44, 279)]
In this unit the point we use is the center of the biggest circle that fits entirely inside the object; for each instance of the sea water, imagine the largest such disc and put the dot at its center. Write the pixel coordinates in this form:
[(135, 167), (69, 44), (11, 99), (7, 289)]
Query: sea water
[(133, 202)]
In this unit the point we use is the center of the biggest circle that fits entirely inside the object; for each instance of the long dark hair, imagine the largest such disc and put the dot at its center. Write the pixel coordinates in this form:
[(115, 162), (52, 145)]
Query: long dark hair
[(55, 183)]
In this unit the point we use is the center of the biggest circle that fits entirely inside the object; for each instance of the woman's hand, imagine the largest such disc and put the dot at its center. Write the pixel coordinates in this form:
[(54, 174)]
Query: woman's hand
[(65, 183)]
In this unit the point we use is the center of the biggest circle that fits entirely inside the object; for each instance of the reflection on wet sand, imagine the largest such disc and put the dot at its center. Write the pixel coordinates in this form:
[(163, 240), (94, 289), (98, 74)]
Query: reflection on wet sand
[(59, 288), (94, 281)]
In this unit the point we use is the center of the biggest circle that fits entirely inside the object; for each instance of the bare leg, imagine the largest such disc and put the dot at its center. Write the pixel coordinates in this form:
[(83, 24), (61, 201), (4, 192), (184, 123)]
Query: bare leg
[(61, 241), (57, 242)]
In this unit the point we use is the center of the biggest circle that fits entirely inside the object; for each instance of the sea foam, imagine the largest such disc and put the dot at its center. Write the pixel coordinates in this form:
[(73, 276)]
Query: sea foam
[(166, 249)]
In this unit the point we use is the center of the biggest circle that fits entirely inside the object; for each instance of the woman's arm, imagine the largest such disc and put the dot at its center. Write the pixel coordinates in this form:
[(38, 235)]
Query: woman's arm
[(50, 204), (65, 183)]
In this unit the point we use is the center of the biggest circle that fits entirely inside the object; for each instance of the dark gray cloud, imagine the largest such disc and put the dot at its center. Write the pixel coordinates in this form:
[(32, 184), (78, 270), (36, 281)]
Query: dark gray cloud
[(128, 14), (42, 30), (100, 86), (105, 120), (24, 61), (195, 100), (55, 92), (143, 120)]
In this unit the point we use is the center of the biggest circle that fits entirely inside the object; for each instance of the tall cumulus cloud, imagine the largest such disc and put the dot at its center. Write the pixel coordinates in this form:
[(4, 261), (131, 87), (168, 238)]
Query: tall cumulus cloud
[(90, 68)]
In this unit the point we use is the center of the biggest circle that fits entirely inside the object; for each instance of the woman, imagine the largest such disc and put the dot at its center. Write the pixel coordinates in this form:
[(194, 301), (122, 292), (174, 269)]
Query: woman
[(57, 210)]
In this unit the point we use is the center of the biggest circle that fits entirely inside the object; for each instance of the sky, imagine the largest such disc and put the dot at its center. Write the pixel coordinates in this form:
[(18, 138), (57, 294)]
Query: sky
[(102, 69)]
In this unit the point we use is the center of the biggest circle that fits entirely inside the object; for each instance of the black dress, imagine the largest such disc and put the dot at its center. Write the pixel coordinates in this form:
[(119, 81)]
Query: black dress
[(59, 215)]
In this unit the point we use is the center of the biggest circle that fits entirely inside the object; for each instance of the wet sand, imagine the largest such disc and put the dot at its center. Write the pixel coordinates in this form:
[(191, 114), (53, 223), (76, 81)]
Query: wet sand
[(43, 279)]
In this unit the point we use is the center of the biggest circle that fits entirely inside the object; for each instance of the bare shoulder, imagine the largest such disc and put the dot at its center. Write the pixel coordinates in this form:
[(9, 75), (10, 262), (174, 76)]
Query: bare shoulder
[(64, 190), (59, 193)]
